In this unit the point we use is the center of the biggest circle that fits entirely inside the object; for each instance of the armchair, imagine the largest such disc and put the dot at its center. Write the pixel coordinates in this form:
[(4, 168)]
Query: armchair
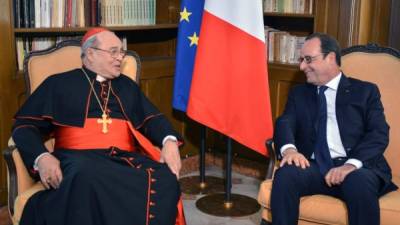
[(381, 66), (37, 67)]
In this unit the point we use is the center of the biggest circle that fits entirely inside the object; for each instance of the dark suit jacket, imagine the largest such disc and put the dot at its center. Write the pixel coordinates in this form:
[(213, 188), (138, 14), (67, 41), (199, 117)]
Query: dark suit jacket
[(359, 113)]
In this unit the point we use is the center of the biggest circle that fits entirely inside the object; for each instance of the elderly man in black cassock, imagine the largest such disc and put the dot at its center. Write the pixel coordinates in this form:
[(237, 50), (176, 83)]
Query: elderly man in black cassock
[(101, 123)]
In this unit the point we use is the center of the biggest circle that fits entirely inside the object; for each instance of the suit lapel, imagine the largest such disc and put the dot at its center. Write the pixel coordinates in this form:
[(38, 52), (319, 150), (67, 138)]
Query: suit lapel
[(342, 98), (311, 103)]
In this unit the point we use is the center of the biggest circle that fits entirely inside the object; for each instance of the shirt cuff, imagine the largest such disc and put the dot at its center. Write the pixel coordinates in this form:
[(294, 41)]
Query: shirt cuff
[(35, 164), (355, 162), (286, 147), (170, 138)]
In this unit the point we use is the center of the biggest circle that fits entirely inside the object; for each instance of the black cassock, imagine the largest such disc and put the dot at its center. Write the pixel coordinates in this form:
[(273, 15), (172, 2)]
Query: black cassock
[(99, 186)]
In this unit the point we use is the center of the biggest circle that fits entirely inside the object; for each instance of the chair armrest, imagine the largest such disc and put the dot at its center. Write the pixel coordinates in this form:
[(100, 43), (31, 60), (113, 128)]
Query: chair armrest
[(12, 177), (272, 158), (18, 176)]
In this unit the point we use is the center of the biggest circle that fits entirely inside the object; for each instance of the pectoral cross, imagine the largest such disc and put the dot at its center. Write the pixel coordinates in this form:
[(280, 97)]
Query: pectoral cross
[(104, 121)]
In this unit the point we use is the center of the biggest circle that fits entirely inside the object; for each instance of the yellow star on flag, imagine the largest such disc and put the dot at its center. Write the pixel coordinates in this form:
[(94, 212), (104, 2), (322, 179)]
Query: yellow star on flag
[(185, 15), (194, 40)]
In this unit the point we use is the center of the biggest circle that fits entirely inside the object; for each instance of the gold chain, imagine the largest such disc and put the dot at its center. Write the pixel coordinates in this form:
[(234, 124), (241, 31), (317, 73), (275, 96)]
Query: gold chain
[(95, 94), (104, 121)]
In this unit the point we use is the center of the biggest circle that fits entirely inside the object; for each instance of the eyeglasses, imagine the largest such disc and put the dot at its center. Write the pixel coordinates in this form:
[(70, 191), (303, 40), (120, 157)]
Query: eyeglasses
[(114, 52), (308, 59)]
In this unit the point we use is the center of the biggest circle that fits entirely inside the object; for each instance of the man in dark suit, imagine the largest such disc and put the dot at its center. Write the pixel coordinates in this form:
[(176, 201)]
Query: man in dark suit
[(331, 138)]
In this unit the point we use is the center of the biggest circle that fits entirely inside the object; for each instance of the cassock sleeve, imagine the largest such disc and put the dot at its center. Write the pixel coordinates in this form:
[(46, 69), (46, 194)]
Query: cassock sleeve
[(154, 125), (32, 123), (28, 135)]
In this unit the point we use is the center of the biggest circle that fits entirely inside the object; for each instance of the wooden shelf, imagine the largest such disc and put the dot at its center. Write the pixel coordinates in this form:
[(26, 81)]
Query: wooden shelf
[(72, 30), (294, 15), (283, 65)]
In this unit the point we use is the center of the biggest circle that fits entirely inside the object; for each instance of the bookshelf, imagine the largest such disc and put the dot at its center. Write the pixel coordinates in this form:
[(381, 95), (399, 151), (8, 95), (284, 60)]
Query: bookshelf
[(293, 23), (67, 30), (286, 15)]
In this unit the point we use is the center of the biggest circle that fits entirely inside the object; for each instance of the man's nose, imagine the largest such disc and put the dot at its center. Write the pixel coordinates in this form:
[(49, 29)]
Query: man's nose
[(120, 57), (303, 65)]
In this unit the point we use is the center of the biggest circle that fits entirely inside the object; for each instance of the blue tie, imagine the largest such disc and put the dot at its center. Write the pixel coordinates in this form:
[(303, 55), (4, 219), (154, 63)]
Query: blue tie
[(321, 151)]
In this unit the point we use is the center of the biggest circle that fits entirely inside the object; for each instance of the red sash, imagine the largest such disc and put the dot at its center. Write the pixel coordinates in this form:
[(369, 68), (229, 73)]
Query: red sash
[(92, 137)]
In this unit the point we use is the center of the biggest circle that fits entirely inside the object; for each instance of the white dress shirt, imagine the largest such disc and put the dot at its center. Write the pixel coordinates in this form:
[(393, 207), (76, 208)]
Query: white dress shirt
[(335, 144)]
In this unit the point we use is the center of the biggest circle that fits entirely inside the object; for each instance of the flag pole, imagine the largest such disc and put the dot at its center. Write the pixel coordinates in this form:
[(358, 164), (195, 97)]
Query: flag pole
[(202, 158), (228, 174), (202, 184), (227, 204)]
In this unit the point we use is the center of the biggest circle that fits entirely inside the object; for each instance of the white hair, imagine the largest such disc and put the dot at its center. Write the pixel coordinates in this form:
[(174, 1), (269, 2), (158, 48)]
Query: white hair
[(91, 42)]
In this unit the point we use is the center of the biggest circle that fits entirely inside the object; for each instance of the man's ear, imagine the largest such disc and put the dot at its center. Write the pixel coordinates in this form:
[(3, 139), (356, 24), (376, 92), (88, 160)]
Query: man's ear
[(89, 54), (331, 56), (89, 51)]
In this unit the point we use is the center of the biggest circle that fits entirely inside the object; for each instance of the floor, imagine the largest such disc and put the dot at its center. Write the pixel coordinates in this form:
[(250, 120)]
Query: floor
[(244, 185)]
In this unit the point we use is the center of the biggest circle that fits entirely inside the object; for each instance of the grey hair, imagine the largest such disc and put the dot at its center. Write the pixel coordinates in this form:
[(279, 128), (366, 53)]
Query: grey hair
[(91, 42), (328, 44)]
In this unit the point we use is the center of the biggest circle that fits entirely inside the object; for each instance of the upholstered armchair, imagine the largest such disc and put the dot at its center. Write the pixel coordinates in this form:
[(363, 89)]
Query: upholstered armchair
[(382, 67), (37, 67)]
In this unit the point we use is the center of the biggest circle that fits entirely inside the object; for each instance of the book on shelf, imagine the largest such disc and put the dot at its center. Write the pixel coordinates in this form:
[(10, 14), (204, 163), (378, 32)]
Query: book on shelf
[(288, 6), (124, 43), (31, 13), (19, 44), (25, 13), (17, 13), (74, 9), (81, 13), (281, 46), (127, 12), (45, 18), (36, 7)]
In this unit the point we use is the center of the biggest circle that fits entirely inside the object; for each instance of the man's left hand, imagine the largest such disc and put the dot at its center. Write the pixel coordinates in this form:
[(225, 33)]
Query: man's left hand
[(336, 175), (170, 155)]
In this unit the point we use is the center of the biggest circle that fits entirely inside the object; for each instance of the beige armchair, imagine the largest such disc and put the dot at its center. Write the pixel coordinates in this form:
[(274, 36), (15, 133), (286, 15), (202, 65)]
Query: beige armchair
[(37, 67), (381, 66)]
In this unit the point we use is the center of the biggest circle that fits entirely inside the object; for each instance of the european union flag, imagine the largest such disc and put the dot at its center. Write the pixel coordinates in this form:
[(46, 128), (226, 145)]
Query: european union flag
[(188, 36)]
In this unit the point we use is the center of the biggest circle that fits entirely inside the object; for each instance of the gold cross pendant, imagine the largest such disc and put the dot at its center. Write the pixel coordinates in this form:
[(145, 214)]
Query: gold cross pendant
[(104, 121)]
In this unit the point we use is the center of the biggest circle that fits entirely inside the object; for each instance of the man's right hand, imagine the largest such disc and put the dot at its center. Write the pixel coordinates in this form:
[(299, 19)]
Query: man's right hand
[(291, 156), (50, 171)]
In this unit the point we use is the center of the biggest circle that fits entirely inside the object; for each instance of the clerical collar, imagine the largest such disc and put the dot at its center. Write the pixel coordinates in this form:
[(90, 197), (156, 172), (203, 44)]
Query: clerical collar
[(100, 78)]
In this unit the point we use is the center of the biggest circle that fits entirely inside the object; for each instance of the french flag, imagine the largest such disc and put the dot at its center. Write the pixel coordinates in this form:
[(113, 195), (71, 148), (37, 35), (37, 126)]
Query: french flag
[(229, 89)]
